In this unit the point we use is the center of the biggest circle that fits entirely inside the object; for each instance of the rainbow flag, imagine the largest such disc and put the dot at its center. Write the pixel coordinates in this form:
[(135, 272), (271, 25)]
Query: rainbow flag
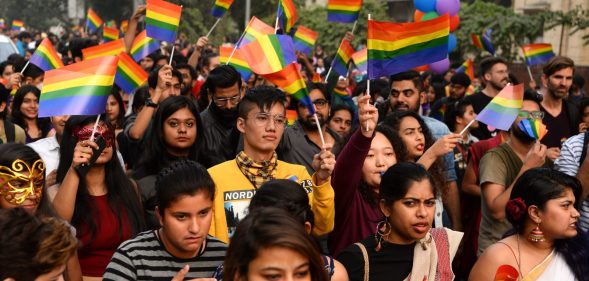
[(269, 53), (221, 7), (110, 34), (93, 21), (237, 61), (254, 30), (2, 24), (124, 26), (129, 74), (533, 128), (343, 10), (291, 81), (342, 58), (468, 68), (397, 47), (316, 78), (17, 25), (287, 15), (342, 94), (112, 23), (45, 57), (143, 46), (291, 116), (112, 48), (304, 40), (360, 59), (503, 108), (483, 42), (162, 19), (78, 89), (537, 53)]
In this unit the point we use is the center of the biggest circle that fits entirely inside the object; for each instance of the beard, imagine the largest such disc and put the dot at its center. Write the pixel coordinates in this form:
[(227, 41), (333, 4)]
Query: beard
[(498, 86), (557, 92), (309, 121), (520, 135), (228, 116)]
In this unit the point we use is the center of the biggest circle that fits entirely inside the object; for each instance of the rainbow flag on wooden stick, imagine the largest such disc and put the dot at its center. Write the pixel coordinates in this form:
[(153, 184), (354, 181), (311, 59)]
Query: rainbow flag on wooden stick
[(468, 68), (162, 19), (503, 108), (17, 25), (269, 54), (78, 89), (360, 59), (112, 48), (143, 46), (45, 57), (93, 21), (221, 7), (237, 61), (537, 53), (287, 15), (254, 30), (483, 42), (342, 58), (304, 40), (291, 81), (343, 10), (110, 34), (129, 74), (124, 26), (397, 47)]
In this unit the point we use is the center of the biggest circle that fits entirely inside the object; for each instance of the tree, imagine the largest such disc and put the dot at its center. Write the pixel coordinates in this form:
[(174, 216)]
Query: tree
[(35, 14)]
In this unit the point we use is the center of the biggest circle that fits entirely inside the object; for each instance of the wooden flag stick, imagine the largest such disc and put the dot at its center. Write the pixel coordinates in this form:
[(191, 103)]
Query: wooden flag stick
[(212, 28), (172, 54), (467, 126), (95, 127), (319, 128)]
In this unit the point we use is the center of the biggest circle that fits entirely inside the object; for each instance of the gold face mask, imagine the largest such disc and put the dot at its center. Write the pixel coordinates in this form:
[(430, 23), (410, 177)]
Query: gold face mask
[(16, 186)]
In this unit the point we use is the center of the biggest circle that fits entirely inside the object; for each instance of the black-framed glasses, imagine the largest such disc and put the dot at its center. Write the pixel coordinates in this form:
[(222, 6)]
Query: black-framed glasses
[(234, 100), (319, 103), (262, 119), (535, 114)]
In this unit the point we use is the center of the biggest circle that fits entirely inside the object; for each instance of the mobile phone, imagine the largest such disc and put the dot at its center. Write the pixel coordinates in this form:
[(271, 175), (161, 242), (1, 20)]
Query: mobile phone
[(83, 169)]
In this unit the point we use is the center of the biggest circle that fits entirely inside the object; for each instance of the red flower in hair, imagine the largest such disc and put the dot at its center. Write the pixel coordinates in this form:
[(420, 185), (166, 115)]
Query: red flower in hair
[(516, 208)]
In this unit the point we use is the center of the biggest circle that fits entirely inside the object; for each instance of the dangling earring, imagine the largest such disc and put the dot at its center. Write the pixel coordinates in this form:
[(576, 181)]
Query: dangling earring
[(536, 235), (380, 233)]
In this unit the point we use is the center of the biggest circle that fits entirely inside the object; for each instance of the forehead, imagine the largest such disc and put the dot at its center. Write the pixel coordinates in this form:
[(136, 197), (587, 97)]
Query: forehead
[(316, 94), (343, 113), (191, 203), (409, 122), (499, 67), (276, 108), (182, 113), (529, 105), (566, 72), (420, 189), (403, 85), (227, 92)]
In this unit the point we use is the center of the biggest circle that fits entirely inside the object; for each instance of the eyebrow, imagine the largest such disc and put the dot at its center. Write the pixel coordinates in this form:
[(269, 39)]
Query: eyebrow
[(417, 199)]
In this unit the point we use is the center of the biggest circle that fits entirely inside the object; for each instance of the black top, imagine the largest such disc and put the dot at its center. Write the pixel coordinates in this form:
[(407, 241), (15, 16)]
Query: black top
[(479, 101), (392, 262), (558, 127)]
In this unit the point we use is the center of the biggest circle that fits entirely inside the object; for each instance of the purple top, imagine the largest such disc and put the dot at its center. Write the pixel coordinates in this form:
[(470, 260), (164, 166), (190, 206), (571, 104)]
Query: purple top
[(355, 218)]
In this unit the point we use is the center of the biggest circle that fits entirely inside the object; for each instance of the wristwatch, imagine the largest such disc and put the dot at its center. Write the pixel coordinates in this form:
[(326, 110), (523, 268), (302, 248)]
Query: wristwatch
[(150, 103)]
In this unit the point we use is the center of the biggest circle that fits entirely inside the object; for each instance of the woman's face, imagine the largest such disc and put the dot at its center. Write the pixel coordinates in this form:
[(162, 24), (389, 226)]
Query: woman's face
[(341, 122), (380, 157), (180, 132), (112, 108), (468, 116), (85, 133), (411, 217), (412, 136), (22, 188), (279, 264), (30, 106), (586, 115), (559, 216), (431, 95)]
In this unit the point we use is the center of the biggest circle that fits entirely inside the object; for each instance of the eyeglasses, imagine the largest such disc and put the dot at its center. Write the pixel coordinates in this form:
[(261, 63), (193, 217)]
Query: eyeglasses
[(262, 119), (234, 100), (534, 114), (319, 103)]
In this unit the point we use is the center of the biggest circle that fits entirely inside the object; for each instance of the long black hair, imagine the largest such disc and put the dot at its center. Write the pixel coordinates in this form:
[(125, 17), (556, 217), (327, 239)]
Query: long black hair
[(115, 93), (536, 187), (156, 156), (121, 194), (18, 118)]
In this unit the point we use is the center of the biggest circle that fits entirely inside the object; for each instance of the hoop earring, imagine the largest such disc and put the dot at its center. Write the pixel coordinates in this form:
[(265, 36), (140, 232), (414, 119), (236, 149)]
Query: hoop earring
[(380, 233), (536, 235)]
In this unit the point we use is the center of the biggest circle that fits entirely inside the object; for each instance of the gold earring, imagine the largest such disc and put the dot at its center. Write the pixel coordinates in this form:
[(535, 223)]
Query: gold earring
[(536, 235)]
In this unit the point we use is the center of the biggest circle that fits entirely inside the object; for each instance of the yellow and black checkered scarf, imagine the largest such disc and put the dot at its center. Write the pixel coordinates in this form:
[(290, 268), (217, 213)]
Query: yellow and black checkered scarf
[(257, 172)]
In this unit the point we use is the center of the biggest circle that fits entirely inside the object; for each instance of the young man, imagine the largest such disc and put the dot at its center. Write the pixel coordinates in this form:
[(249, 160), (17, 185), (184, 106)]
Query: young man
[(185, 194), (262, 121), (500, 168), (459, 83), (9, 132)]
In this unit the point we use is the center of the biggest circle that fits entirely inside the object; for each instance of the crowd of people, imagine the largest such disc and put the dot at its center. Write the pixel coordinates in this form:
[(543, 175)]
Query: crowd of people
[(200, 174)]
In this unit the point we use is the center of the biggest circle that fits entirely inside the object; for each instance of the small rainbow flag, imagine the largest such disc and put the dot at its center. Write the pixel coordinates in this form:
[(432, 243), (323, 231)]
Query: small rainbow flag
[(269, 53), (533, 128), (537, 53), (93, 21), (483, 42), (468, 68), (221, 7), (2, 24), (143, 46), (342, 93), (291, 81), (78, 89), (112, 23), (287, 15), (503, 108), (254, 30), (360, 59), (237, 61), (162, 19), (124, 26), (129, 74), (304, 39), (110, 34), (291, 116), (316, 78), (343, 10), (17, 25), (342, 58), (112, 48), (45, 57), (397, 47)]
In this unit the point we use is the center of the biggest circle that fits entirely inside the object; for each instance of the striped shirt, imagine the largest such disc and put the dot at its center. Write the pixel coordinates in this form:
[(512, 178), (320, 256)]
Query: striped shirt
[(145, 258), (568, 163)]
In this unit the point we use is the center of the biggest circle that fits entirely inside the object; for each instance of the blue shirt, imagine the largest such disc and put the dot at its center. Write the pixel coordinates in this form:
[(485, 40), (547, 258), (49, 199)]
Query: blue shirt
[(438, 130)]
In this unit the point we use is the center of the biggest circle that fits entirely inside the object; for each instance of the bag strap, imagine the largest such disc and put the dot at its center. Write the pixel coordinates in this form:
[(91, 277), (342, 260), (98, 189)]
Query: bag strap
[(584, 152), (366, 263)]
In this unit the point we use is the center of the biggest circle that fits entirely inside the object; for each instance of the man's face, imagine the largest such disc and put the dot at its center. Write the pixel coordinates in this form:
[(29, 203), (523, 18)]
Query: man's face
[(146, 63), (405, 96), (559, 82), (457, 91), (8, 70), (186, 78), (213, 63), (58, 123), (321, 107), (227, 99), (530, 107), (498, 76), (262, 129)]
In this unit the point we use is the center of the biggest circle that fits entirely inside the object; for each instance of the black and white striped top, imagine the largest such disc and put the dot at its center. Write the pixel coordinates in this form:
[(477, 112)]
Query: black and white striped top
[(568, 163), (145, 258)]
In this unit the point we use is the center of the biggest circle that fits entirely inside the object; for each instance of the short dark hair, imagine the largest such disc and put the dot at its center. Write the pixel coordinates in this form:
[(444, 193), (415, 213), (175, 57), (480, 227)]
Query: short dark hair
[(558, 63), (77, 44), (341, 106), (33, 71), (460, 78), (284, 194), (487, 63), (262, 97), (453, 110), (408, 75), (191, 69), (322, 88), (181, 178), (223, 76)]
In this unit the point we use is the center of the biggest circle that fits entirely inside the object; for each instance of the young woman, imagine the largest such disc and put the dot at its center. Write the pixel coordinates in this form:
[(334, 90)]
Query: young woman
[(584, 110), (340, 120), (356, 179), (405, 246), (269, 244), (115, 110), (458, 115), (25, 112), (544, 243), (101, 202)]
